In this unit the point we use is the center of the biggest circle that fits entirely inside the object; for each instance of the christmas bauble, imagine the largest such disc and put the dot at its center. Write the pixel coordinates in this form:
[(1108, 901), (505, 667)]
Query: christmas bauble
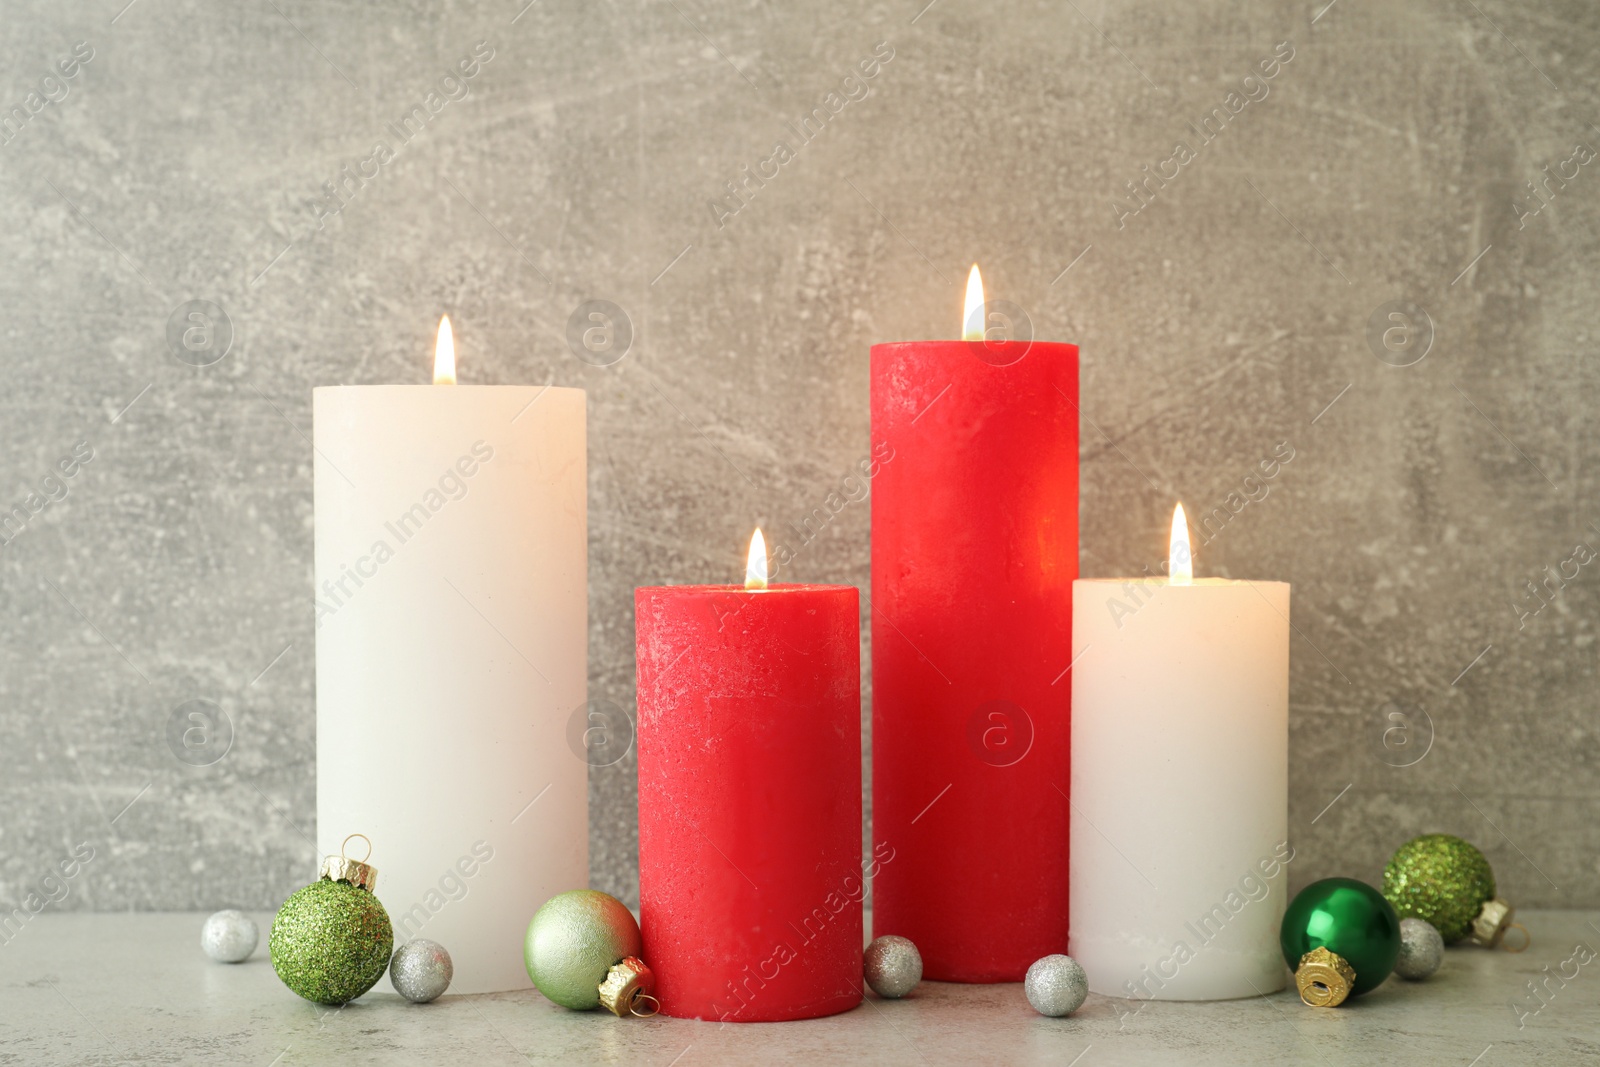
[(1421, 949), (892, 966), (1355, 926), (421, 970), (331, 941), (1445, 881), (229, 936), (1056, 985), (573, 942)]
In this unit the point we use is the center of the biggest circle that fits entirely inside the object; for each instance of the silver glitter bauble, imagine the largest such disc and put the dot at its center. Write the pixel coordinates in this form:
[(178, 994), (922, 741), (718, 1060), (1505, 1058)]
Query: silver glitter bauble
[(1421, 950), (229, 936), (893, 966), (421, 970), (1056, 986)]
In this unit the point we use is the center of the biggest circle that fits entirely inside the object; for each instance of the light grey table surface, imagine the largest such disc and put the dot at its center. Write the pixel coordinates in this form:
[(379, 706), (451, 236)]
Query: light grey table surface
[(135, 988)]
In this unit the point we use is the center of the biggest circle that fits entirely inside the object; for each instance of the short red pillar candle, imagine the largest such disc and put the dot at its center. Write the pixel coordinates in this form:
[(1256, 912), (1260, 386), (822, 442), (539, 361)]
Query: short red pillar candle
[(750, 878), (974, 550)]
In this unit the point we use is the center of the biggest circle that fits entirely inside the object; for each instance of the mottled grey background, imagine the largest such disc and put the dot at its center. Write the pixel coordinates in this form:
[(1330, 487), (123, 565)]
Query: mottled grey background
[(1228, 315)]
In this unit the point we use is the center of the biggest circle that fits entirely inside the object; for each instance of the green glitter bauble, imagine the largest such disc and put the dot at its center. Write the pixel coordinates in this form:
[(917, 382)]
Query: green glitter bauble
[(1346, 917), (573, 941), (1441, 879), (331, 942)]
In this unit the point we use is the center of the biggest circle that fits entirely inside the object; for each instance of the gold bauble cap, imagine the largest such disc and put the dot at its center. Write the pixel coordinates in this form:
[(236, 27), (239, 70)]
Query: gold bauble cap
[(626, 985), (342, 868), (1324, 978), (1492, 922)]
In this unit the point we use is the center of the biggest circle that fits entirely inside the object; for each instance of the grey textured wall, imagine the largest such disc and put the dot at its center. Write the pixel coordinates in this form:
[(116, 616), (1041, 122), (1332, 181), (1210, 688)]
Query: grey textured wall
[(1223, 315)]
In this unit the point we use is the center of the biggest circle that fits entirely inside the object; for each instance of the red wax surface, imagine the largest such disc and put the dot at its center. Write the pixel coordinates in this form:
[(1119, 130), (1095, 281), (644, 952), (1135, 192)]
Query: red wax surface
[(750, 874), (974, 549)]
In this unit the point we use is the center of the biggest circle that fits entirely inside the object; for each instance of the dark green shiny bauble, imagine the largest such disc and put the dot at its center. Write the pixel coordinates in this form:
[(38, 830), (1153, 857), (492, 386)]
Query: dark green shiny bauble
[(331, 942), (1348, 918), (1441, 879), (572, 942)]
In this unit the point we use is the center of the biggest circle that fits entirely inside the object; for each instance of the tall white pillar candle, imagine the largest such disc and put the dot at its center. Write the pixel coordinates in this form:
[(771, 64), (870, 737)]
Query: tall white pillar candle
[(451, 569), (1180, 694)]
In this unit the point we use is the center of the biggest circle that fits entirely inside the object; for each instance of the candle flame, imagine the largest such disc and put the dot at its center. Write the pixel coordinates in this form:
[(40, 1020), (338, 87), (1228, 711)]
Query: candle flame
[(1180, 564), (755, 568), (972, 311), (444, 354)]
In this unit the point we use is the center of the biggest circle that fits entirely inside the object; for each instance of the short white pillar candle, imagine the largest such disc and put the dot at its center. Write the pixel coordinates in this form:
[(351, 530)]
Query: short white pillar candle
[(1180, 695)]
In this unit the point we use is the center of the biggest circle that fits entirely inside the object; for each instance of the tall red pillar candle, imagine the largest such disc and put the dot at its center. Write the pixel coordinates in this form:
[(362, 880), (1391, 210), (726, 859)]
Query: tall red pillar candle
[(974, 550), (750, 876)]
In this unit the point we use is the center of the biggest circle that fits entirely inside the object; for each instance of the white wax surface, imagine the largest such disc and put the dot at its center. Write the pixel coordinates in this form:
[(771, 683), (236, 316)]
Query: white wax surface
[(1180, 699), (446, 679)]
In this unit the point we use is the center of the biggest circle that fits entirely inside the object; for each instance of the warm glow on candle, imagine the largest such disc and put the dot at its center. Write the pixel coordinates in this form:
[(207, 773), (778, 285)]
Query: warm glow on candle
[(1180, 566), (972, 311), (755, 569), (444, 355)]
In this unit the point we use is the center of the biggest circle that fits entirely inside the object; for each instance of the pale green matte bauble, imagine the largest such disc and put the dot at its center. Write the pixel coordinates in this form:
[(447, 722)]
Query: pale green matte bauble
[(573, 941)]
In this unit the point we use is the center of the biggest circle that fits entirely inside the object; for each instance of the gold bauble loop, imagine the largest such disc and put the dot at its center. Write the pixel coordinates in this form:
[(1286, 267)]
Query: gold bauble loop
[(352, 837), (1505, 942)]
